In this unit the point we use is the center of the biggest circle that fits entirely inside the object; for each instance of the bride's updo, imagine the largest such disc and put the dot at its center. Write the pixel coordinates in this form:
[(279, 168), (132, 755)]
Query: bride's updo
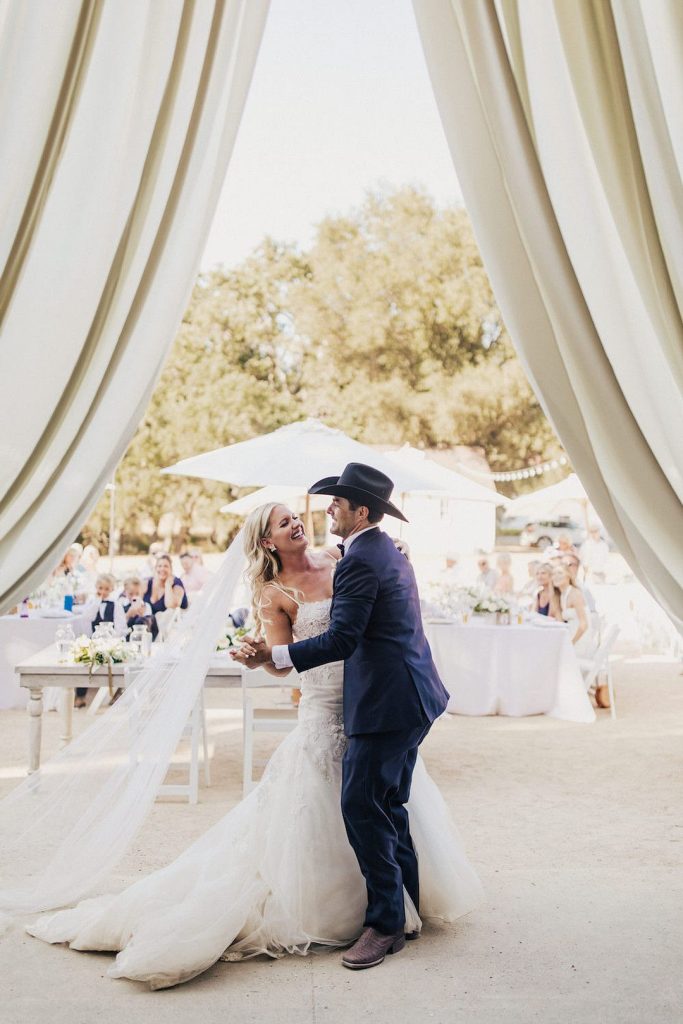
[(263, 565)]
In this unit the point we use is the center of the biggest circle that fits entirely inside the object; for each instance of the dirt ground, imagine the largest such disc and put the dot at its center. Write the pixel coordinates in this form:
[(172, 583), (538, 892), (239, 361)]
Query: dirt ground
[(576, 830)]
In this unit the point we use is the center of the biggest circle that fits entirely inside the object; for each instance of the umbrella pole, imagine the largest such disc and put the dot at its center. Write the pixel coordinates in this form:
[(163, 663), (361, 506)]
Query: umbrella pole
[(308, 520)]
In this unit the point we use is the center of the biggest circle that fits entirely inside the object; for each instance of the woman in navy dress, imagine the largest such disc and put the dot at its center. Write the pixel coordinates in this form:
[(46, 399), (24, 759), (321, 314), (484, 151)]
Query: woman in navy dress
[(547, 601), (164, 590)]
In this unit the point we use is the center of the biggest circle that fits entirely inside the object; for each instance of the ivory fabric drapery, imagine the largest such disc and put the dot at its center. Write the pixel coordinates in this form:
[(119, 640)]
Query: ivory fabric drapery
[(564, 124), (117, 121)]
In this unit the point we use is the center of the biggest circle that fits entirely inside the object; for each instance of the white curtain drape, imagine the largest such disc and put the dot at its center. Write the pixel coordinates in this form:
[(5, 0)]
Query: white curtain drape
[(117, 121), (564, 122)]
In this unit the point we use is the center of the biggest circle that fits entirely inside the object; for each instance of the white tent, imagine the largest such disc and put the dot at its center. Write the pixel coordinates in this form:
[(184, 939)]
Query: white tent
[(566, 498), (456, 515), (444, 480)]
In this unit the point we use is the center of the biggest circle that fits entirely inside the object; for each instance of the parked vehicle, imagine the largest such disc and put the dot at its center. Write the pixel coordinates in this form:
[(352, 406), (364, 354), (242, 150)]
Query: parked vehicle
[(544, 532)]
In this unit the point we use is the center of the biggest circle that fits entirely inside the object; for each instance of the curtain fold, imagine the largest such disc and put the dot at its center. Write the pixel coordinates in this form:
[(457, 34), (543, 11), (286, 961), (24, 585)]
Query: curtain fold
[(114, 142), (561, 119)]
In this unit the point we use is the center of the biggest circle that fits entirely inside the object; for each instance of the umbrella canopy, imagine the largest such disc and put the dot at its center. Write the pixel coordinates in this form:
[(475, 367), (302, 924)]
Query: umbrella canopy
[(295, 497), (296, 456), (444, 480), (566, 497)]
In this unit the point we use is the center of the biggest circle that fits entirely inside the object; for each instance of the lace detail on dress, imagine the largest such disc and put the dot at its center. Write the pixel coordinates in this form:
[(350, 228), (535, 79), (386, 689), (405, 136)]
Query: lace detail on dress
[(321, 725)]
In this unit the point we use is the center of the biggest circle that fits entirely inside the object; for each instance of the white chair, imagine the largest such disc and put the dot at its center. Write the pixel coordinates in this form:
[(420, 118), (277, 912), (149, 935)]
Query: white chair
[(260, 719), (195, 728), (600, 664)]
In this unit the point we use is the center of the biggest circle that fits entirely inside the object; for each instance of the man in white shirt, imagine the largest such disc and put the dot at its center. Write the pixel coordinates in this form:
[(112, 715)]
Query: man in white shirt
[(487, 577), (595, 555)]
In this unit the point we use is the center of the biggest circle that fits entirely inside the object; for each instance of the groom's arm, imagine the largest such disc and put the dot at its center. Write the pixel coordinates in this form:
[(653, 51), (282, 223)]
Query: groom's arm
[(355, 591)]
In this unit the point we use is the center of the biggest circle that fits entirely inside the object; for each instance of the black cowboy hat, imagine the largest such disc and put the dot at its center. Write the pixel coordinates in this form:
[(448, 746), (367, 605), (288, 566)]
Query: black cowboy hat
[(362, 485)]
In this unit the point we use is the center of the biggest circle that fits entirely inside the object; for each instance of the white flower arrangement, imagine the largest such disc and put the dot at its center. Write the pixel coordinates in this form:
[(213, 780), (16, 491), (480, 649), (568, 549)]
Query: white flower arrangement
[(488, 603), (101, 650), (230, 637), (452, 600)]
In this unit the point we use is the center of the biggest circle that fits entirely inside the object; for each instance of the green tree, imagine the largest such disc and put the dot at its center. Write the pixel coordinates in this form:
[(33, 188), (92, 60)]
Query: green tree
[(386, 327)]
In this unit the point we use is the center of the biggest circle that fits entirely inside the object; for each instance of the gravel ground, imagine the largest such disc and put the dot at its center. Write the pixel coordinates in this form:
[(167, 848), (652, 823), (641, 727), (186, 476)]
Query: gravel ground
[(577, 832)]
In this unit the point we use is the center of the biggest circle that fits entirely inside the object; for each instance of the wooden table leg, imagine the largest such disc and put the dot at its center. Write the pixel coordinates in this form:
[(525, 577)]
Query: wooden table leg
[(35, 728), (67, 716)]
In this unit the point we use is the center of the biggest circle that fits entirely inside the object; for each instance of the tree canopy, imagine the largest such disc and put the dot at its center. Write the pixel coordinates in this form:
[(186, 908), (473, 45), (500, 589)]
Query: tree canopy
[(386, 327)]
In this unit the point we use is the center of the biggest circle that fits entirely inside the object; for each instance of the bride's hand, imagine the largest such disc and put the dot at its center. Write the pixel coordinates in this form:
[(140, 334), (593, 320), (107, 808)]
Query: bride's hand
[(252, 652)]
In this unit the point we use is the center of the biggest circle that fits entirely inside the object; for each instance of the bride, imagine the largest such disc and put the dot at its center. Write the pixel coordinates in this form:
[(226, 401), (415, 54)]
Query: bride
[(277, 874)]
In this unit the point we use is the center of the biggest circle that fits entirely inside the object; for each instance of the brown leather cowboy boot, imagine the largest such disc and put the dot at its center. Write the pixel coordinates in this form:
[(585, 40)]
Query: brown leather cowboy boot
[(371, 948)]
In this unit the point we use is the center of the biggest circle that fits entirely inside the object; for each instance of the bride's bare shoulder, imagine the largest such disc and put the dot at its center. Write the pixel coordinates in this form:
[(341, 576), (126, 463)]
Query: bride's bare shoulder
[(275, 597)]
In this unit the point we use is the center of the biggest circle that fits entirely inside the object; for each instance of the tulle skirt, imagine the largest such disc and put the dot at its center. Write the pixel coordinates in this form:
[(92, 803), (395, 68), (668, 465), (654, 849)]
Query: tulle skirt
[(275, 875)]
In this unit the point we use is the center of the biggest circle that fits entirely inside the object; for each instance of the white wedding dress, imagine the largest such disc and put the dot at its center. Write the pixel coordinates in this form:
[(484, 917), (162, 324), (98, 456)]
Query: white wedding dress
[(277, 874)]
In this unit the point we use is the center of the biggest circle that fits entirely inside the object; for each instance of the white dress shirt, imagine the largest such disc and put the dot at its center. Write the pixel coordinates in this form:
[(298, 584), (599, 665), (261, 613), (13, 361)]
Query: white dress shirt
[(91, 608), (280, 654)]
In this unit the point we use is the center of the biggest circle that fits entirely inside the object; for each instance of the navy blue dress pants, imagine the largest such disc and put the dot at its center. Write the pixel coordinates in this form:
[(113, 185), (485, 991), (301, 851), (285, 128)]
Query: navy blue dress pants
[(377, 771)]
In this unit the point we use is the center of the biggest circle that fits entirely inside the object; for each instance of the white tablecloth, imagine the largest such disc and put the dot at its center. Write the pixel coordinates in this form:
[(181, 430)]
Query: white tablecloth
[(19, 639), (509, 670)]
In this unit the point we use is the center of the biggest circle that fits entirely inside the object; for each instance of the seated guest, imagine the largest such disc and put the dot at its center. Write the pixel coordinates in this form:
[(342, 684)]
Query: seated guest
[(102, 608), (69, 563), (155, 549), (87, 572), (487, 577), (574, 612), (563, 546), (164, 591), (451, 573), (528, 591), (546, 600), (573, 563), (195, 574), (238, 617), (137, 611), (505, 583)]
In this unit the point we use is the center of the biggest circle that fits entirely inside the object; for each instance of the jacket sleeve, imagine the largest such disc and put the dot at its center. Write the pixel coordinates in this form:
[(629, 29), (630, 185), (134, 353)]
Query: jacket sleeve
[(355, 591)]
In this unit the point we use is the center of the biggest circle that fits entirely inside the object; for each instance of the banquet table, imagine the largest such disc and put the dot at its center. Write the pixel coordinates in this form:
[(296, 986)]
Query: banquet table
[(43, 671), (19, 639), (514, 670)]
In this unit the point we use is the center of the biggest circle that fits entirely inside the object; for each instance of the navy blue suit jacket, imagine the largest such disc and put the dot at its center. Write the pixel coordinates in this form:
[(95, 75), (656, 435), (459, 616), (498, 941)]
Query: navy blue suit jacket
[(390, 681)]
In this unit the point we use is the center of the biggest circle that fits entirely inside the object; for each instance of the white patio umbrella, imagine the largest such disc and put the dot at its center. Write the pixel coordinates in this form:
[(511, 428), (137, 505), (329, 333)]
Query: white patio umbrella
[(297, 499), (567, 496), (296, 456)]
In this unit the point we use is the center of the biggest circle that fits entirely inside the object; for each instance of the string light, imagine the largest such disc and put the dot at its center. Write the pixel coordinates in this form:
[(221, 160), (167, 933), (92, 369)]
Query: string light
[(509, 475)]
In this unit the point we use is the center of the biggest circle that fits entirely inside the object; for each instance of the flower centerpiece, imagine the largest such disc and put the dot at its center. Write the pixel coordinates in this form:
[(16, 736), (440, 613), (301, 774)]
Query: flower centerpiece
[(230, 637), (486, 602), (445, 598), (455, 600), (101, 650)]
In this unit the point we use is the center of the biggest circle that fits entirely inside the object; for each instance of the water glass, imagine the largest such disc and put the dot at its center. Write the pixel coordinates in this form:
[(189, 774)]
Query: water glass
[(64, 637)]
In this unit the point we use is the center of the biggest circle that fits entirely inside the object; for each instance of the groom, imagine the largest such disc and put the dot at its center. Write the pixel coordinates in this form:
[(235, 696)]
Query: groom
[(392, 694)]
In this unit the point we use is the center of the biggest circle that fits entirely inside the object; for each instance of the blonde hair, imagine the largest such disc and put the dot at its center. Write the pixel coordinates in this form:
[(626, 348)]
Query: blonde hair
[(263, 565), (132, 579), (106, 577)]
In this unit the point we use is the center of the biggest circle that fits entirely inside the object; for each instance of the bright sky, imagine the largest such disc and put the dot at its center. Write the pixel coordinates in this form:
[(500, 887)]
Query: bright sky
[(340, 103)]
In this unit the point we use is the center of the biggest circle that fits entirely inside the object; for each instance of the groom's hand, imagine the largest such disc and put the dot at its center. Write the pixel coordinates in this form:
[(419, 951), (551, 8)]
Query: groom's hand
[(252, 653)]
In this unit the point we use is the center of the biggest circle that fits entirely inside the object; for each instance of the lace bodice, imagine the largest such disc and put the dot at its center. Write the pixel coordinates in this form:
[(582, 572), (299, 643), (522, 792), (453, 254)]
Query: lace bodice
[(321, 688)]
